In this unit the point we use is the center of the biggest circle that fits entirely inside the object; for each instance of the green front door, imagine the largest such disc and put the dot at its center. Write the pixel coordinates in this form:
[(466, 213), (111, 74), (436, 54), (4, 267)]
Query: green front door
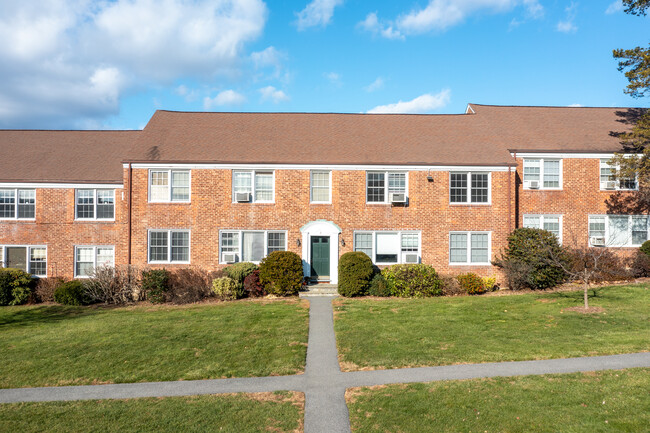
[(320, 257)]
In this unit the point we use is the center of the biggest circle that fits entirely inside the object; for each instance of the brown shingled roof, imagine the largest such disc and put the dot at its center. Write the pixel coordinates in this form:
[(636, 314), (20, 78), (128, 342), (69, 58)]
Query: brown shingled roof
[(484, 138), (63, 156)]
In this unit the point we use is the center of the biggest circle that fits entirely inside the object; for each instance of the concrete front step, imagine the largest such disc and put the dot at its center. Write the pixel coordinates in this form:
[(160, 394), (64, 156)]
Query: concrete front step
[(320, 290)]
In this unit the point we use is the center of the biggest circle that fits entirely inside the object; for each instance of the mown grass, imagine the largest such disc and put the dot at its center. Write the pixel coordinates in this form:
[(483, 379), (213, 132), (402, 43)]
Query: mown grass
[(610, 401), (394, 333), (56, 345), (238, 413)]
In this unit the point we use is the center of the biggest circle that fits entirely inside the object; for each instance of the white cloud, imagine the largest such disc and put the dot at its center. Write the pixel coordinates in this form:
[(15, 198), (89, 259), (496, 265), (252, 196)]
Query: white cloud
[(422, 104), (567, 25), (333, 77), (68, 62), (269, 58), (316, 13), (188, 94), (270, 93), (439, 15), (575, 105), (614, 7), (227, 97), (375, 85)]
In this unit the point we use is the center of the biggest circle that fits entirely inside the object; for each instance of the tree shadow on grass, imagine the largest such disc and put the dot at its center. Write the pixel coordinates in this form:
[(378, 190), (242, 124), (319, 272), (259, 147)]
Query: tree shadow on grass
[(26, 316)]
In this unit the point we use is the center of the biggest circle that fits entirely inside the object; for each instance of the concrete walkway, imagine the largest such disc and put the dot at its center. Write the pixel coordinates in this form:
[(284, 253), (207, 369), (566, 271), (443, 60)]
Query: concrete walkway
[(323, 383)]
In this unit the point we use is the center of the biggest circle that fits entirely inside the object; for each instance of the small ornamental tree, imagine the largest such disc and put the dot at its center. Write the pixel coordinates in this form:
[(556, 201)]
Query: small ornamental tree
[(533, 259), (355, 273)]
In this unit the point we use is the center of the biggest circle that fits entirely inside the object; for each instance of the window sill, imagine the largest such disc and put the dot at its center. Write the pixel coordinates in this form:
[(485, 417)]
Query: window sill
[(168, 263), (95, 220), (18, 219), (470, 264), (169, 202), (470, 204), (543, 189)]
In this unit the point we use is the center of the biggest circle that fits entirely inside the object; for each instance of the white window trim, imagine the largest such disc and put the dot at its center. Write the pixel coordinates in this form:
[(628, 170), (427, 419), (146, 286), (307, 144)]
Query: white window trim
[(94, 190), (541, 221), (400, 255), (15, 217), (28, 252), (169, 246), (541, 174), (617, 167), (94, 247), (469, 248), (629, 230), (468, 175), (241, 234), (252, 192), (386, 173), (311, 200), (169, 186)]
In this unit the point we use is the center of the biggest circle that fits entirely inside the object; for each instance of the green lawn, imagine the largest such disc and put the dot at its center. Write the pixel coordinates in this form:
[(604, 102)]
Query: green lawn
[(611, 401), (55, 345), (238, 413), (393, 333)]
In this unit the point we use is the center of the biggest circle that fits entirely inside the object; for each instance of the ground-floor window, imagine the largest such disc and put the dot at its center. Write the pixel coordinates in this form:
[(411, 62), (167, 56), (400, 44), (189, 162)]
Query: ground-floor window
[(388, 247), (89, 258), (169, 246), (469, 248), (32, 259), (618, 230), (249, 245), (551, 223)]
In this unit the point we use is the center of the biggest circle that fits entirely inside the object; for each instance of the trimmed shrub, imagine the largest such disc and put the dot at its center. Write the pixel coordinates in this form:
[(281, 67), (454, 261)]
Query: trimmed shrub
[(253, 287), (413, 281), (15, 286), (533, 259), (225, 289), (645, 248), (639, 265), (281, 273), (71, 293), (114, 285), (471, 283), (451, 286), (379, 286), (189, 285), (355, 273), (239, 271), (155, 284)]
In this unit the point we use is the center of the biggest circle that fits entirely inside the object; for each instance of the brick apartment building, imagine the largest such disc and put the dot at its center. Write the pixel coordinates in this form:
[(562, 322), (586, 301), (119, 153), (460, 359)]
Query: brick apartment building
[(208, 189)]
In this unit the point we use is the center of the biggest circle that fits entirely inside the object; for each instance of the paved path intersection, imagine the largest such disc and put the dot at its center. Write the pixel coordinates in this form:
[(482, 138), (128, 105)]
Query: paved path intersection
[(323, 382)]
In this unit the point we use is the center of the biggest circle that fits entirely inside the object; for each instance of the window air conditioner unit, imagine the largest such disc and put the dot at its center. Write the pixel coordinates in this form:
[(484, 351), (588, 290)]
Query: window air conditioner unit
[(411, 258), (243, 197), (610, 184), (229, 257), (394, 197), (533, 184), (597, 241)]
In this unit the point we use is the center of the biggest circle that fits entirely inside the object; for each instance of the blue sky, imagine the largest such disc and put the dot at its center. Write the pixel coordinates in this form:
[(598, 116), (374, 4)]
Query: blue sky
[(110, 64)]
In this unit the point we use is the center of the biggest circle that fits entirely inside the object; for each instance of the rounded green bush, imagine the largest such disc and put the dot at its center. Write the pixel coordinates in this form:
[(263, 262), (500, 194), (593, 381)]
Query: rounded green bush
[(472, 283), (15, 286), (239, 271), (155, 284), (355, 273), (281, 273), (645, 248), (226, 289), (71, 293), (413, 281), (379, 286)]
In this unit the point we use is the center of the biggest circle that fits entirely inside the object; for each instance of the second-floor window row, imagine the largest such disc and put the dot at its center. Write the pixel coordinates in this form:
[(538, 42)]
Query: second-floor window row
[(542, 173), (95, 204), (253, 186), (609, 180), (385, 187), (17, 203), (469, 187), (169, 186)]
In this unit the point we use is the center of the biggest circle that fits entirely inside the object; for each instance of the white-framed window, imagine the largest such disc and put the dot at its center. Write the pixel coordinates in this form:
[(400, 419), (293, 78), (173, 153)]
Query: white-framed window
[(95, 204), (18, 204), (169, 186), (618, 230), (29, 258), (320, 186), (87, 258), (542, 173), (608, 179), (470, 248), (551, 223), (250, 245), (389, 247), (169, 246), (468, 187), (381, 184), (258, 186)]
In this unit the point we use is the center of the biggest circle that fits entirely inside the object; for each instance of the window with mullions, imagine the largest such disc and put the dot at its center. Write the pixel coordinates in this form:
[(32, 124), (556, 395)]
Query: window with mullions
[(618, 230), (89, 258), (169, 186), (17, 203), (251, 245), (379, 185), (550, 223), (169, 246), (469, 187), (387, 247), (320, 190), (31, 259), (608, 177), (259, 184), (95, 204), (547, 172), (468, 248)]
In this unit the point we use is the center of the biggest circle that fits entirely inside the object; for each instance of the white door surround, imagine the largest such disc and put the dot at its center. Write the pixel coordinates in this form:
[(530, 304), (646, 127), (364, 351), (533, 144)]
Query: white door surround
[(321, 228)]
